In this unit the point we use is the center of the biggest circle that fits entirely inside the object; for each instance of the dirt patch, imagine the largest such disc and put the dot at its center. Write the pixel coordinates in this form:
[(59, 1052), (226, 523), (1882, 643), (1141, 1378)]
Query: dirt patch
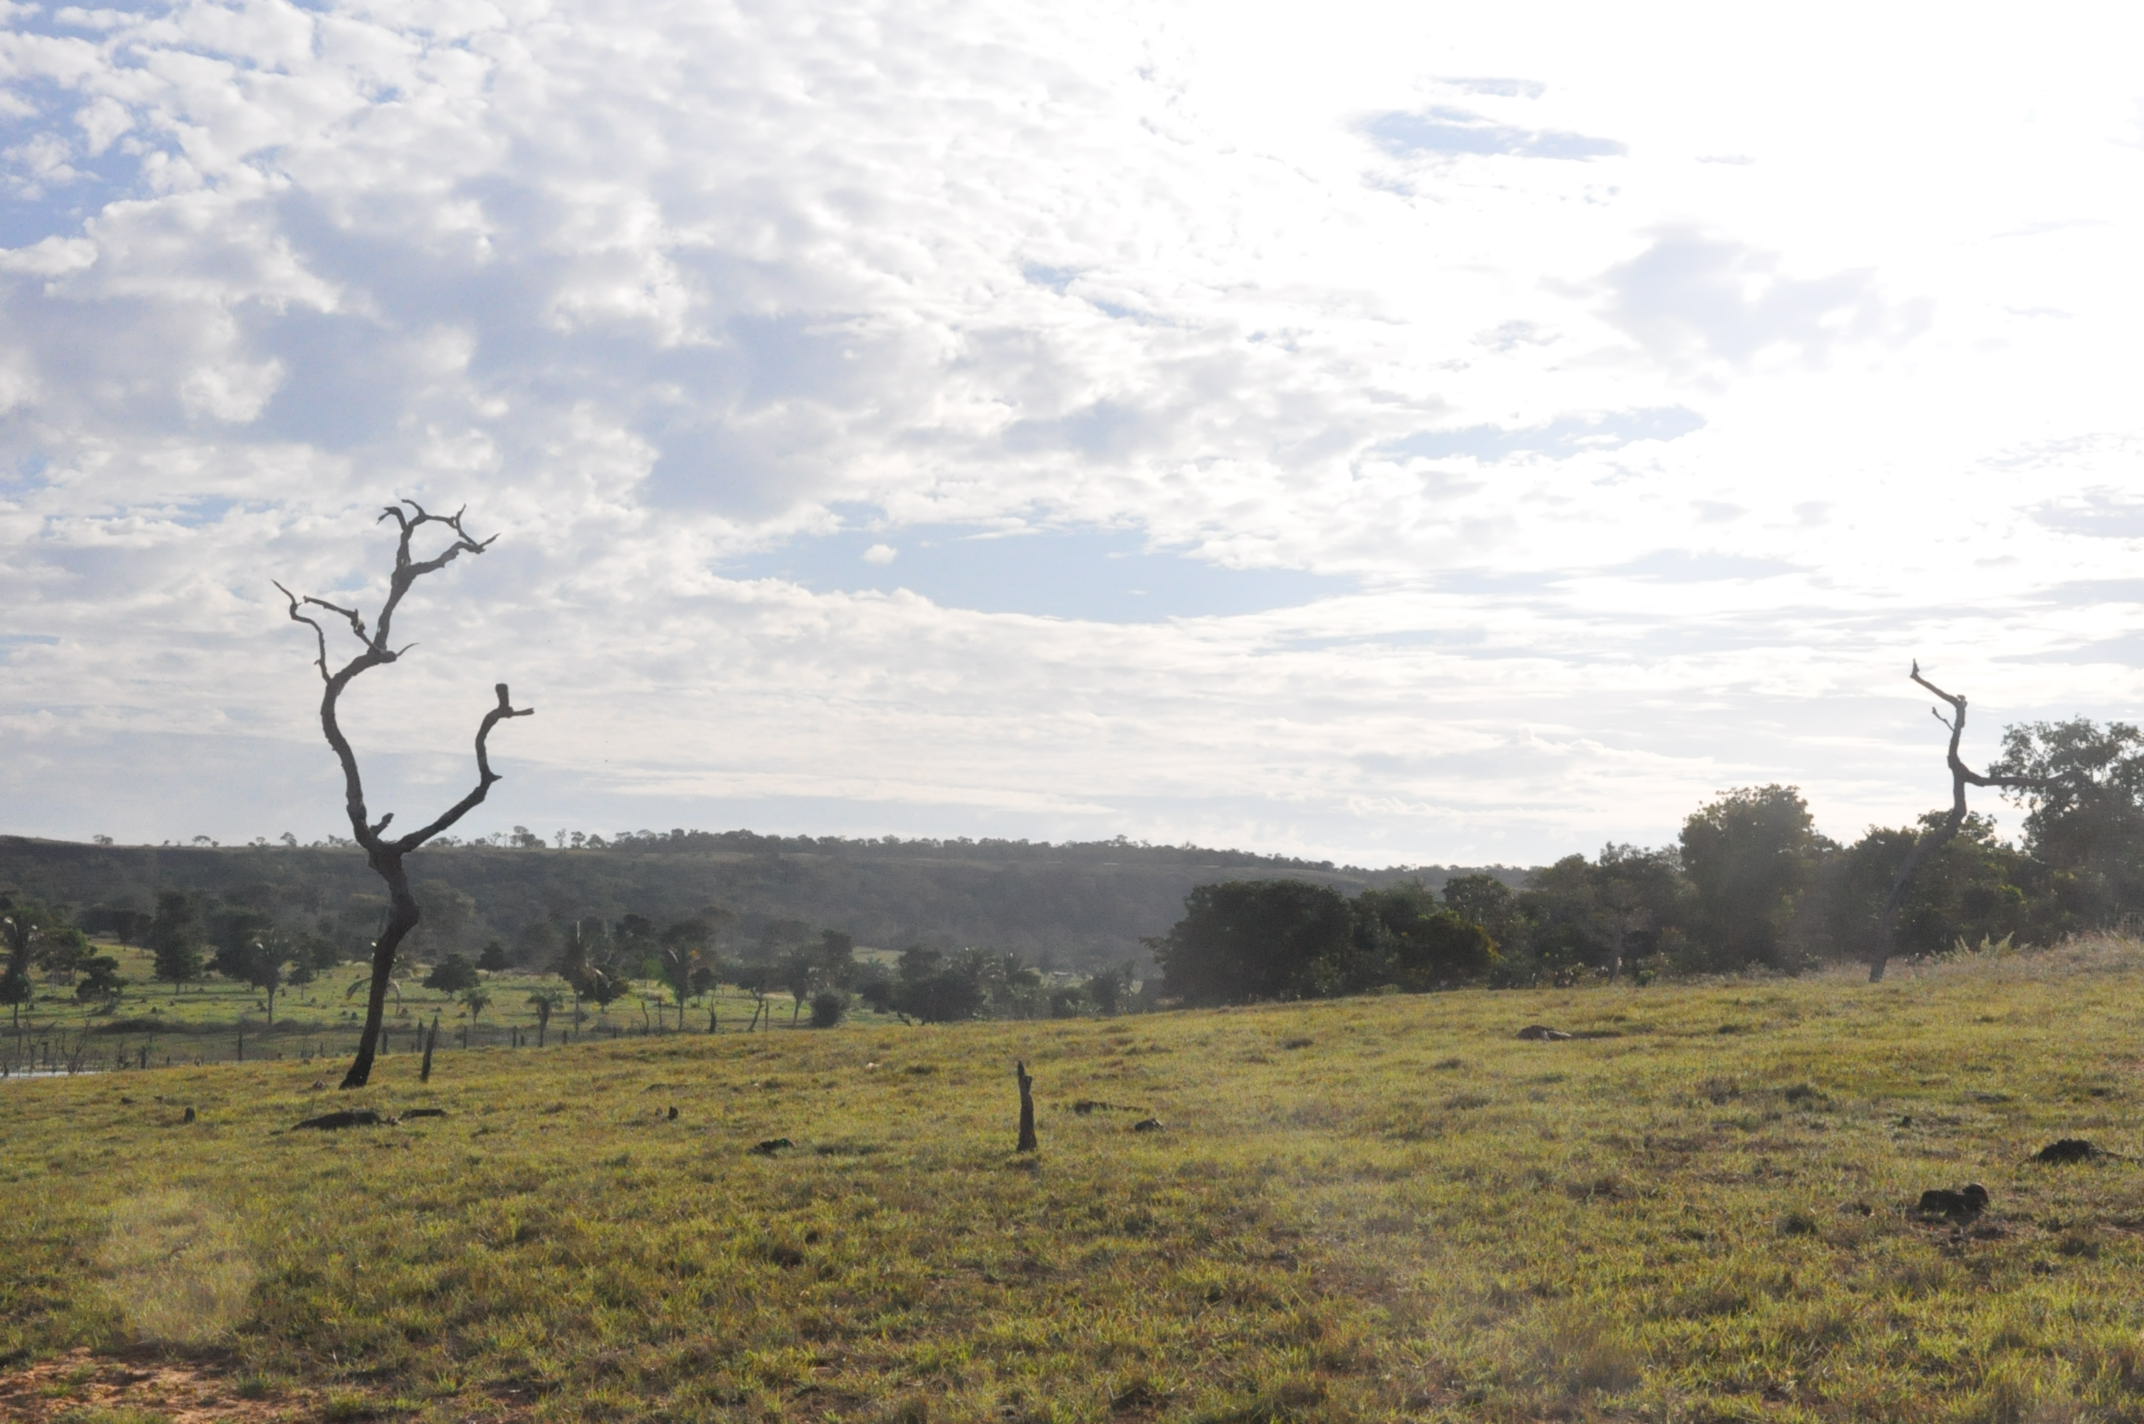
[(174, 1391)]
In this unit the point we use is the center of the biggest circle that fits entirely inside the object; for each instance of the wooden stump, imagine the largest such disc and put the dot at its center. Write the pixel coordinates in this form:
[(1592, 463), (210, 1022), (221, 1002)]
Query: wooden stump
[(1027, 1109)]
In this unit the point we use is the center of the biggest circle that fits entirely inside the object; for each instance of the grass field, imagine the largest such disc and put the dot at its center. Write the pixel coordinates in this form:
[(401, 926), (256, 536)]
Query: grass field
[(218, 1020), (1384, 1208)]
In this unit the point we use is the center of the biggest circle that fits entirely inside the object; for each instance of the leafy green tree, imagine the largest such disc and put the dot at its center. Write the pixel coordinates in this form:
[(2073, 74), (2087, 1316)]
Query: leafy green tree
[(254, 957), (476, 999), (937, 990), (20, 920), (1639, 895), (1245, 940), (100, 981), (1970, 891), (453, 975), (174, 938), (1405, 937), (2085, 814), (1488, 902), (493, 957), (1750, 856), (828, 1008)]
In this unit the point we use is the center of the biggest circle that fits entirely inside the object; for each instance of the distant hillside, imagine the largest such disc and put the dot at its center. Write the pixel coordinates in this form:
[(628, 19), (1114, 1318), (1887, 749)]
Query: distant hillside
[(1072, 906)]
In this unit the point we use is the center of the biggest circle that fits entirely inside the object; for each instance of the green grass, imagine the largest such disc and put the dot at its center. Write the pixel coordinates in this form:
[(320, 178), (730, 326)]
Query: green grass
[(1696, 1210), (209, 1022)]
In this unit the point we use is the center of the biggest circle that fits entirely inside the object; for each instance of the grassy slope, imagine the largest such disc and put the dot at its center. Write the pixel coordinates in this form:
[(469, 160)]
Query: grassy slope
[(1383, 1208), (201, 1022)]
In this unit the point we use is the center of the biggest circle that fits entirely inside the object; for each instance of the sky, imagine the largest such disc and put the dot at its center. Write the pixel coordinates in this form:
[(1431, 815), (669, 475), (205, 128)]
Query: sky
[(1376, 432)]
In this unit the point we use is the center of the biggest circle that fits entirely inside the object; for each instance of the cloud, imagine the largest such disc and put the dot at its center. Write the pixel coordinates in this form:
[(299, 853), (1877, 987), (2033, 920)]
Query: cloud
[(1693, 297), (1065, 422)]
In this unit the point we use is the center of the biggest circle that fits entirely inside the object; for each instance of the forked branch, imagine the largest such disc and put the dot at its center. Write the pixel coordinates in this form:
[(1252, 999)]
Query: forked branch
[(1936, 837), (385, 855)]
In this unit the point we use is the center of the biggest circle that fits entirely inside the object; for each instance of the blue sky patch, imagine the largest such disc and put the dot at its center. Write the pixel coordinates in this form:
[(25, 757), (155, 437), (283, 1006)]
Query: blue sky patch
[(1097, 575), (1566, 436), (1441, 129)]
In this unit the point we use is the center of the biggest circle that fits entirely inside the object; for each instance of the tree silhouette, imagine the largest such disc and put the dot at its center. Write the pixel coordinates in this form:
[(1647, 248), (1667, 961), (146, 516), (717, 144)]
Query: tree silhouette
[(1934, 838), (383, 853)]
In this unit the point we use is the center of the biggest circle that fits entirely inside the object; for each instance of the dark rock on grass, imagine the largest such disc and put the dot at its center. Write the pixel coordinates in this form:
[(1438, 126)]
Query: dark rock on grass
[(347, 1117), (1943, 1204), (771, 1146), (2072, 1149), (1147, 1124), (1542, 1033)]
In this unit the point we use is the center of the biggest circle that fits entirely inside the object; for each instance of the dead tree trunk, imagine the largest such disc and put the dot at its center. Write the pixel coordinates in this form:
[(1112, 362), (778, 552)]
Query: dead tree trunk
[(1935, 837), (385, 855), (1027, 1109)]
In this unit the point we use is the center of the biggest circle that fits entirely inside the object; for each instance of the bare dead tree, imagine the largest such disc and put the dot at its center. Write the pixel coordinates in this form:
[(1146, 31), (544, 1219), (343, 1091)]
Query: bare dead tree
[(1936, 837), (385, 854)]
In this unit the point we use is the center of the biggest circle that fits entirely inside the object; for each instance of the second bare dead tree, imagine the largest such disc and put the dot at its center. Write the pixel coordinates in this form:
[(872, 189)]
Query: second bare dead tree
[(382, 852), (1935, 837)]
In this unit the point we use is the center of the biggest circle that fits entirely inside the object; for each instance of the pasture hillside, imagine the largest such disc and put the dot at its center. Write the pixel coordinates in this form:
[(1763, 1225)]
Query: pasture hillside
[(1696, 1208), (1078, 906)]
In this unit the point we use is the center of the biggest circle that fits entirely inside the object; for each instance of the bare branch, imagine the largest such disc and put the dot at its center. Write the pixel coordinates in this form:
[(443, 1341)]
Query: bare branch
[(319, 634), (386, 855), (1936, 837), (485, 776)]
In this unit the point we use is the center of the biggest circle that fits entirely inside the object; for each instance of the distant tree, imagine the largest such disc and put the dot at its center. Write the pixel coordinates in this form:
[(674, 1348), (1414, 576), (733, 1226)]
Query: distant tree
[(2084, 815), (256, 957), (1937, 833), (877, 989), (936, 990), (1639, 895), (545, 1002), (828, 1008), (797, 973), (386, 855), (20, 919), (60, 950), (1488, 902), (1246, 940), (1967, 890), (174, 938), (1749, 856), (121, 923), (493, 957), (1405, 937), (835, 957), (475, 1000), (452, 975), (100, 982), (1108, 988)]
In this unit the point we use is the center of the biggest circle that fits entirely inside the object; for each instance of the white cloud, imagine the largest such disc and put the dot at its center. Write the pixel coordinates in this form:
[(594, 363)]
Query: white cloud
[(654, 287)]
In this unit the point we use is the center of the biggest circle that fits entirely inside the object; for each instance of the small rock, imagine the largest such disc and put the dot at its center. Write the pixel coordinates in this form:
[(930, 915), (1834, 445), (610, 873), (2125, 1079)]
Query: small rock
[(1147, 1124), (771, 1146), (1542, 1033)]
